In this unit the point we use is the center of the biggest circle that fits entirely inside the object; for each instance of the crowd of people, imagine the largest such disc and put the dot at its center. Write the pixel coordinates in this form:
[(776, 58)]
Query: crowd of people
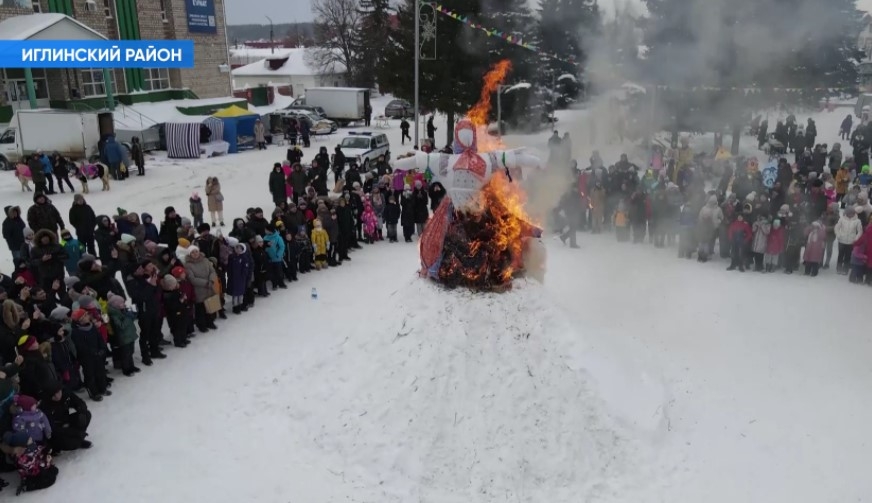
[(87, 289), (813, 209)]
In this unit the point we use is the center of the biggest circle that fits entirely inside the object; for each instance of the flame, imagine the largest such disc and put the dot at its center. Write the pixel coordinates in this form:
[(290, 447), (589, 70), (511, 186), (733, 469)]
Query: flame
[(478, 114), (485, 244)]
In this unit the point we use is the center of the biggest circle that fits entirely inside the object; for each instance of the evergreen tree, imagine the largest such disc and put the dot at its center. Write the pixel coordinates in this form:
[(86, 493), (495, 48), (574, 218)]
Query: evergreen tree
[(513, 18), (565, 26), (375, 30)]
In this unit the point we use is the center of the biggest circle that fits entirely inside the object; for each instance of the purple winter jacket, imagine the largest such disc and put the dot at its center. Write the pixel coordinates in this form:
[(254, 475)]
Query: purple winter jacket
[(34, 423)]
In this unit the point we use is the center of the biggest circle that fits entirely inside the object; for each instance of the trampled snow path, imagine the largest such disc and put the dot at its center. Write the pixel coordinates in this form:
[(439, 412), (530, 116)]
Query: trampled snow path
[(455, 396)]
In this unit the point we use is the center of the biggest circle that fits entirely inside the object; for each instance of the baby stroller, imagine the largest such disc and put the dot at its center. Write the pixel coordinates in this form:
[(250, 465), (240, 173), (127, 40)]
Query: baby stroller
[(774, 147)]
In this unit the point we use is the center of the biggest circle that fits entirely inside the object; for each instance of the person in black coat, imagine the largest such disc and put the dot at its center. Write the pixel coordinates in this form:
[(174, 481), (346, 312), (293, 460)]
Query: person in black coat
[(437, 193), (61, 171), (142, 285), (47, 258), (345, 221), (323, 159), (13, 230), (43, 215), (257, 224), (318, 177), (69, 429), (277, 184), (353, 175), (810, 133), (37, 375), (392, 217), (338, 164), (106, 237), (137, 155), (91, 352), (422, 210), (84, 220), (407, 217), (169, 228), (431, 129)]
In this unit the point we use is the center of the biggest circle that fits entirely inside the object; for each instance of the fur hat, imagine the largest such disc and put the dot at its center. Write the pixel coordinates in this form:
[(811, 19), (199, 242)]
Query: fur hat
[(169, 282), (28, 232), (117, 301), (186, 222)]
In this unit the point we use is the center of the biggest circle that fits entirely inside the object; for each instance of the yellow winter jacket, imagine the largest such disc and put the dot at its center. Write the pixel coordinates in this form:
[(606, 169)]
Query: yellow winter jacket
[(843, 179), (319, 241)]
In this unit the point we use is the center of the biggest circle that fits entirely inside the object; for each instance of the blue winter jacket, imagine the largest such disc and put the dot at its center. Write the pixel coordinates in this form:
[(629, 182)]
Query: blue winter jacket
[(46, 165), (114, 153), (276, 249), (75, 250)]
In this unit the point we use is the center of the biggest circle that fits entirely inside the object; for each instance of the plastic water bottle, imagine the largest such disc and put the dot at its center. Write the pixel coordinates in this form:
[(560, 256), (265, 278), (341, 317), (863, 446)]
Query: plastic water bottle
[(314, 293)]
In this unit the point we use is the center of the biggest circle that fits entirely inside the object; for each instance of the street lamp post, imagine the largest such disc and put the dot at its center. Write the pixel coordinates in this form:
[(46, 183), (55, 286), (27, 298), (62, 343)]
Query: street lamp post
[(417, 65), (271, 45)]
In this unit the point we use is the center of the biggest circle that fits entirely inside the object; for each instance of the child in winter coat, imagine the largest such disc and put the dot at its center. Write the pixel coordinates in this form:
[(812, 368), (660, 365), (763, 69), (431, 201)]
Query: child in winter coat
[(392, 218), (30, 420), (196, 206), (74, 250), (320, 242), (91, 351), (378, 206), (370, 222), (761, 229), (274, 244), (774, 245), (292, 255), (407, 218), (177, 309), (848, 230), (740, 235), (305, 251), (813, 256), (33, 462), (858, 265), (186, 288), (622, 223), (124, 334)]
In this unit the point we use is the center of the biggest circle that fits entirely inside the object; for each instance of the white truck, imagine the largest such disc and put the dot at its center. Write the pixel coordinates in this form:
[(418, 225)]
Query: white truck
[(341, 104), (75, 135)]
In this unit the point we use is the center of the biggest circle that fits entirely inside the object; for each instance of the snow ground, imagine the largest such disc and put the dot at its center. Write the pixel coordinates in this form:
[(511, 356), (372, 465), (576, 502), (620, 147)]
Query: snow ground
[(653, 379)]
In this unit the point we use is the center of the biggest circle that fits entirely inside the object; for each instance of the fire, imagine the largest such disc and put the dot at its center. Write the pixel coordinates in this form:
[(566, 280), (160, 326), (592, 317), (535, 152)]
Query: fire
[(478, 114), (485, 243)]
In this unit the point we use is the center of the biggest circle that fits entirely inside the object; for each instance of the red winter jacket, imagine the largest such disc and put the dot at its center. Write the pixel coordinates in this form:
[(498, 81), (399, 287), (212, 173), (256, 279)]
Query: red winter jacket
[(739, 226), (777, 240), (865, 245)]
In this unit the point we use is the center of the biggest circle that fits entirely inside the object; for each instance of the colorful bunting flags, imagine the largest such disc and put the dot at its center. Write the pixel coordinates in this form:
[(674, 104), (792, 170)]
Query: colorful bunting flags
[(512, 39)]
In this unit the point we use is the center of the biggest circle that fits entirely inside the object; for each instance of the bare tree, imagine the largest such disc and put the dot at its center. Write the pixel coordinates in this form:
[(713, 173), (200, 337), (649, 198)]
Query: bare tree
[(337, 34)]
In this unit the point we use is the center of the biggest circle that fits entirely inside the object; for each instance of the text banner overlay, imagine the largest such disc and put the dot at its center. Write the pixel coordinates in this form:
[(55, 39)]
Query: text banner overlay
[(96, 53)]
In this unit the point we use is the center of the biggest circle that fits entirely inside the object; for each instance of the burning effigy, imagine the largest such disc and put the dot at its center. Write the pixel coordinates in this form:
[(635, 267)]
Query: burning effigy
[(480, 237)]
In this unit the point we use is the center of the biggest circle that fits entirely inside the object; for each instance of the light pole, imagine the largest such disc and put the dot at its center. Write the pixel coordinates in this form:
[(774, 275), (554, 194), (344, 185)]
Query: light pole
[(417, 64), (271, 45), (424, 11)]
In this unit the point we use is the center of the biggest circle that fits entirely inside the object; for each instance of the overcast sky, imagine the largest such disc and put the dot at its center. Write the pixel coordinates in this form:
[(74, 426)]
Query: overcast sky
[(287, 11)]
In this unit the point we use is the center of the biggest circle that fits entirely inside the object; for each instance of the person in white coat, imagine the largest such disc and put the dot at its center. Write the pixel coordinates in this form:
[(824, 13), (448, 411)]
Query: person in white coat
[(848, 231)]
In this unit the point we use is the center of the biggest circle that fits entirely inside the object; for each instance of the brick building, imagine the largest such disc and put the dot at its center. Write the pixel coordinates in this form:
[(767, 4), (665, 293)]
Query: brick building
[(199, 20)]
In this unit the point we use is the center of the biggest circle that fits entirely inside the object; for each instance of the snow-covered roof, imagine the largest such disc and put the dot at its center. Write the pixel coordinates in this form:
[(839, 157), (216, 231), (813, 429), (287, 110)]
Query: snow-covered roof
[(296, 64), (148, 114), (39, 27)]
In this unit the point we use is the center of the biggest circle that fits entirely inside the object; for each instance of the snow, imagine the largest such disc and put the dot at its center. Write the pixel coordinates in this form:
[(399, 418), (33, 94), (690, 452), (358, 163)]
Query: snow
[(295, 65), (25, 27), (568, 76), (653, 378), (168, 111), (517, 87)]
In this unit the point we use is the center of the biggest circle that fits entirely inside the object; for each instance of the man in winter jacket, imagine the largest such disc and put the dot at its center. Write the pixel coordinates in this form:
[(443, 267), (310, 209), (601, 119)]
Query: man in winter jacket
[(36, 374), (37, 174), (43, 215), (69, 429), (48, 258), (739, 235), (114, 157), (142, 284), (83, 219), (169, 228), (13, 230)]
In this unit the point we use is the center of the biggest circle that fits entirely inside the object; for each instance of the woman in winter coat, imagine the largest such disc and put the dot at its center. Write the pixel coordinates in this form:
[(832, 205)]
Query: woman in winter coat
[(345, 220), (813, 256), (201, 274), (47, 259), (84, 220), (277, 184), (106, 236), (710, 219), (260, 134), (215, 200), (761, 229), (422, 212), (239, 276), (298, 180), (437, 193), (848, 230)]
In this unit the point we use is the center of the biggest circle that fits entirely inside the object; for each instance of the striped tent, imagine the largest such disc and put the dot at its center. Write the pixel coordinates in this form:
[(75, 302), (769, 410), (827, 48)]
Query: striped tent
[(215, 125), (183, 140)]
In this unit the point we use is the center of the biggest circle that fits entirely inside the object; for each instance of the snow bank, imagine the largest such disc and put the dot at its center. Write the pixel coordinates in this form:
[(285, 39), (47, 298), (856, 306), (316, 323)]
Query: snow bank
[(454, 396)]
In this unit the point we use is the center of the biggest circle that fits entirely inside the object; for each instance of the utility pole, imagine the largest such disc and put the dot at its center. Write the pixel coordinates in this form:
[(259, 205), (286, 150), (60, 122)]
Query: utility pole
[(272, 46), (417, 64)]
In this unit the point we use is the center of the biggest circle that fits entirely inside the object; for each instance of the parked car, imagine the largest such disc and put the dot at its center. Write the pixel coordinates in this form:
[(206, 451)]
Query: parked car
[(316, 111), (366, 147), (317, 125), (399, 109)]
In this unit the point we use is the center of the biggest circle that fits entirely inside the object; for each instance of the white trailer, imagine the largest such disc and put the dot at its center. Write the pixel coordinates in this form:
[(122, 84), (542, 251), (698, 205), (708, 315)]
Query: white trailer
[(74, 135), (341, 104)]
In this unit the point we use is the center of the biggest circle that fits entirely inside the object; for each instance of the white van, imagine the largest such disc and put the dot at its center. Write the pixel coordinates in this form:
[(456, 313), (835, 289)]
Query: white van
[(365, 147)]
